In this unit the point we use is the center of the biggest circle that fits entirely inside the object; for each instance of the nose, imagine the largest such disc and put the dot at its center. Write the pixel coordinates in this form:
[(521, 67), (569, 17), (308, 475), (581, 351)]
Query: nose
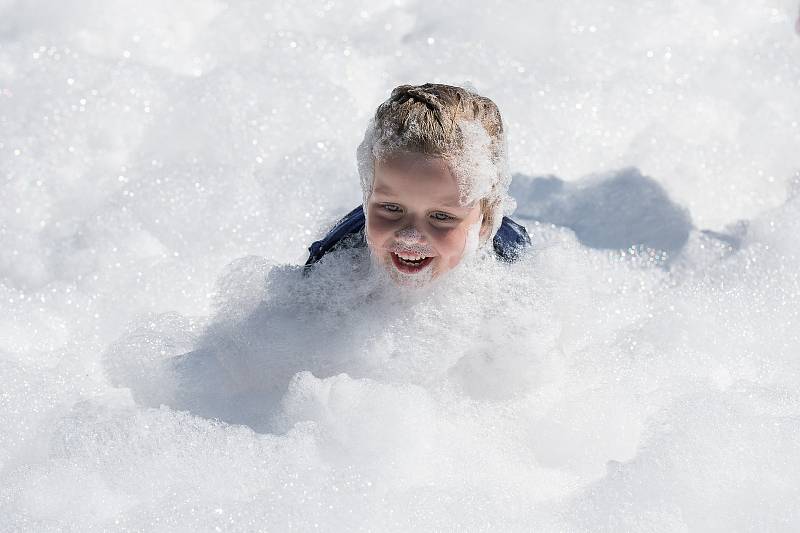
[(409, 234)]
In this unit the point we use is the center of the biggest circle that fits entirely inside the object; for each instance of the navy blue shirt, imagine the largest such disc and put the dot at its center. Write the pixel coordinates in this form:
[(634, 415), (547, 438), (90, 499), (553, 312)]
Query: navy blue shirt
[(509, 241)]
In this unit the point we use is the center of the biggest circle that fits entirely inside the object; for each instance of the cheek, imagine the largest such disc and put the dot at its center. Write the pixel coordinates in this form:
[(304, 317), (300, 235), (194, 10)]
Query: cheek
[(378, 230), (450, 244)]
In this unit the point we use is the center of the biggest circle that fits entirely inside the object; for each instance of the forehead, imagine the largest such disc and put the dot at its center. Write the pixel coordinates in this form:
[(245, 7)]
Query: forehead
[(417, 176)]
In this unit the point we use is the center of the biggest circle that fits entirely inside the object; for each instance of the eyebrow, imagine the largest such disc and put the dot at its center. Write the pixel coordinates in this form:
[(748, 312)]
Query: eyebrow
[(452, 206), (383, 189)]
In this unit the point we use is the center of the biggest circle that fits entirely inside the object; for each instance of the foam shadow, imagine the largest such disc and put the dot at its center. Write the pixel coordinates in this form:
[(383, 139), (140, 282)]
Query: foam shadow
[(615, 210)]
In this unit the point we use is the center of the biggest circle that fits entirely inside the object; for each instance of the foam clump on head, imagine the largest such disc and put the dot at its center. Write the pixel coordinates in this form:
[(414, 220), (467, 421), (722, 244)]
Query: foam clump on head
[(435, 120)]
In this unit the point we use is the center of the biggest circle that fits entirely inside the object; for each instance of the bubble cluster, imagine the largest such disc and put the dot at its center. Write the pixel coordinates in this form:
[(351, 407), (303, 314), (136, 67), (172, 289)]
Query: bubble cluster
[(166, 365)]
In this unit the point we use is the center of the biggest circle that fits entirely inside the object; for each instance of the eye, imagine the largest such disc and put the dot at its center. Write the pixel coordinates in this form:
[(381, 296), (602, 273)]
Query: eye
[(392, 208), (440, 216)]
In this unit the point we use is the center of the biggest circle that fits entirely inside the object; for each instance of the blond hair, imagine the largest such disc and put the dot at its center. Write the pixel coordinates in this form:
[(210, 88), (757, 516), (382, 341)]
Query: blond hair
[(444, 121)]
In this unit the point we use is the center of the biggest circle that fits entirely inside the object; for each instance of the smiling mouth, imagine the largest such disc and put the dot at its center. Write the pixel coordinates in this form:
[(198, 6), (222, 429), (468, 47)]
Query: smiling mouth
[(410, 264)]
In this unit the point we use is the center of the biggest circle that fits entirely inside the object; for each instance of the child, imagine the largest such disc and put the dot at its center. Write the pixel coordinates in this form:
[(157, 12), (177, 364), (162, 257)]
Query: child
[(435, 180)]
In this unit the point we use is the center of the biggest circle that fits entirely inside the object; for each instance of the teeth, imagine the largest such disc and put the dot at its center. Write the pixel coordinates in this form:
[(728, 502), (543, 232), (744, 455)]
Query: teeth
[(414, 258)]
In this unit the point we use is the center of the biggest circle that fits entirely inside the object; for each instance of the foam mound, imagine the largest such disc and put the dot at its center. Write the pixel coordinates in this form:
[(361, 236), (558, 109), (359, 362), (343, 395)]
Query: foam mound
[(165, 364)]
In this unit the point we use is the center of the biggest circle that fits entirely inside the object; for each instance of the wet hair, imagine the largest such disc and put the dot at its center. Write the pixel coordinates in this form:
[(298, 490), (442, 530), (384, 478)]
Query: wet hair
[(445, 121)]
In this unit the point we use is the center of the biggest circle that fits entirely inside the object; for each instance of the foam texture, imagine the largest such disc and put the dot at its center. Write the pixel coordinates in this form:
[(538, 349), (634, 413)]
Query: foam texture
[(165, 365)]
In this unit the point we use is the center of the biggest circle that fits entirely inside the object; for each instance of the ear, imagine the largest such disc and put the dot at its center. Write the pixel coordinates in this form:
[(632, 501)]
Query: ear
[(486, 221)]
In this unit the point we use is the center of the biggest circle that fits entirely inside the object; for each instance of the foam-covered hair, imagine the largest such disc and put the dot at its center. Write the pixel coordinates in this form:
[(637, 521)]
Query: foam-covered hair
[(449, 122)]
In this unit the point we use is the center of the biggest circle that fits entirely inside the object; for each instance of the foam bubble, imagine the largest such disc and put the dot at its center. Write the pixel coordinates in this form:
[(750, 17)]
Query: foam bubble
[(164, 364)]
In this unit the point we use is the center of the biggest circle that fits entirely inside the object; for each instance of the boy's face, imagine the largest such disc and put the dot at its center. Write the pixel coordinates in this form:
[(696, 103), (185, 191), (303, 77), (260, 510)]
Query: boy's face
[(416, 226)]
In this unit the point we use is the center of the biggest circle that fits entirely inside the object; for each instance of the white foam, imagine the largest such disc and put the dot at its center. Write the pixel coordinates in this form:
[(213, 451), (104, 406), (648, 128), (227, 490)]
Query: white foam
[(145, 385)]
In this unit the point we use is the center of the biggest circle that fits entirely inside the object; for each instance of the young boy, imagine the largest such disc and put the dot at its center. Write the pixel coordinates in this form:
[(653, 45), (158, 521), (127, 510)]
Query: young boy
[(435, 180)]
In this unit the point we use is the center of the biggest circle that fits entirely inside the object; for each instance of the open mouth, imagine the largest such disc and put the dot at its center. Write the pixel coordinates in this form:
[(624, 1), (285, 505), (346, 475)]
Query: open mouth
[(410, 264)]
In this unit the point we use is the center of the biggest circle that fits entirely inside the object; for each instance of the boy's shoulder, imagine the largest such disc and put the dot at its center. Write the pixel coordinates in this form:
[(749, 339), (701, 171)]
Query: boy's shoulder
[(509, 241), (348, 232)]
